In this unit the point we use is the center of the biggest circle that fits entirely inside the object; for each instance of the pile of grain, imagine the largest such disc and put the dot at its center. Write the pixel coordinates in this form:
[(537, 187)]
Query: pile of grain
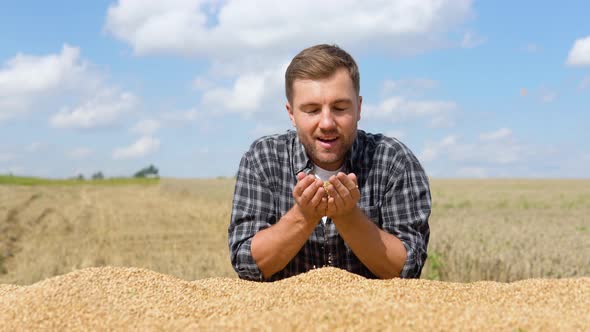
[(323, 299)]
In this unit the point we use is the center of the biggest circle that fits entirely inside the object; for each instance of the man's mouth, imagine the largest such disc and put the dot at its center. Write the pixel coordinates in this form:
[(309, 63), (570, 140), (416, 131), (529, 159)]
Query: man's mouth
[(328, 142)]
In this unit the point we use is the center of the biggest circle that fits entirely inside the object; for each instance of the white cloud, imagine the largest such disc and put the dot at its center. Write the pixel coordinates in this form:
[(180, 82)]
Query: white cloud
[(25, 79), (499, 134), (580, 53), (34, 83), (182, 116), (144, 146), (399, 109), (494, 149), (472, 40), (248, 93), (80, 153), (201, 83), (433, 150), (105, 109), (25, 73), (146, 127), (185, 27), (243, 41)]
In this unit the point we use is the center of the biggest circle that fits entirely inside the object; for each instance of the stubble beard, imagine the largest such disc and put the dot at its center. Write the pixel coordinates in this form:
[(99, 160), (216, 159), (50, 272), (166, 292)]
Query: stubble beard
[(320, 156)]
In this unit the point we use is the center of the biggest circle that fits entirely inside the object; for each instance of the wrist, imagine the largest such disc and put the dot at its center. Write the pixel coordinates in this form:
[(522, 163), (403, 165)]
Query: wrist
[(348, 218), (300, 218)]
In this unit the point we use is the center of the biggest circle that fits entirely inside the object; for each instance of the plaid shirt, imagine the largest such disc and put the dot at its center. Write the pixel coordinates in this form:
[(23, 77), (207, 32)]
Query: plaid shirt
[(395, 195)]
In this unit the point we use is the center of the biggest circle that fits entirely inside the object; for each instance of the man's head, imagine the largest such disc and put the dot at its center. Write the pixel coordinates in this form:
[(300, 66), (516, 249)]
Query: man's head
[(322, 86)]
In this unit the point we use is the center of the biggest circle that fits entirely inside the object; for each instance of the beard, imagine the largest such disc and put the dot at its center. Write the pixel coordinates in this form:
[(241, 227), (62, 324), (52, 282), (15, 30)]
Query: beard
[(327, 158)]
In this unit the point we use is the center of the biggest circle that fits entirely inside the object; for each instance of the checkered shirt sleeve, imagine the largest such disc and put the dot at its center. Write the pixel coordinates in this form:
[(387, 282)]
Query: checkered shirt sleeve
[(251, 210), (405, 210)]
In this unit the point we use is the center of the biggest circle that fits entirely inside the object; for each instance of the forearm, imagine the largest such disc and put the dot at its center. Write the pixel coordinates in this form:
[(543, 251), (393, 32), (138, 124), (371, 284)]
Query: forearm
[(382, 253), (274, 247)]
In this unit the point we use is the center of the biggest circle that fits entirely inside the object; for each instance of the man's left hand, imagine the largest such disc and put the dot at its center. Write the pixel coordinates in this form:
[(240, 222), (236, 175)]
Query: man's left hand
[(344, 195)]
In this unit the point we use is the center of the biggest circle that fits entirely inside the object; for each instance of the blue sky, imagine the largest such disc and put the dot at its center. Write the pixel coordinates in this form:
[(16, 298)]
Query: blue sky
[(475, 89)]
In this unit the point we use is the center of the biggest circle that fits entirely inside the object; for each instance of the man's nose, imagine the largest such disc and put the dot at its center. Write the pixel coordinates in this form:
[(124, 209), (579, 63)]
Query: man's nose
[(327, 119)]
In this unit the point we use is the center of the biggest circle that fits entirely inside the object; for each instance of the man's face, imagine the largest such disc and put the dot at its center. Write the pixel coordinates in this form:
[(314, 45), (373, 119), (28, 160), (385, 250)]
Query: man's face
[(325, 113)]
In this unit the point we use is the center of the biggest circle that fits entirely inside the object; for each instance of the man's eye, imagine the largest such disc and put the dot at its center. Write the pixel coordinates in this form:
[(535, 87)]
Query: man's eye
[(340, 108), (312, 111)]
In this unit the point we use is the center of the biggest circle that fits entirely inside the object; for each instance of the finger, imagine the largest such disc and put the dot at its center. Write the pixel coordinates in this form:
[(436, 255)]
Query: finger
[(350, 183), (356, 194), (302, 184), (338, 191), (317, 198), (353, 178), (347, 181), (323, 206), (310, 192), (342, 190), (300, 176), (330, 188), (331, 206)]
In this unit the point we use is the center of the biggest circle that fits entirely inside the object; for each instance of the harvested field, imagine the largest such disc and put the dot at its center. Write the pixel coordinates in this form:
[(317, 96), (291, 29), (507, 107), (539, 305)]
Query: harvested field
[(501, 230), (155, 257), (325, 299), (47, 231)]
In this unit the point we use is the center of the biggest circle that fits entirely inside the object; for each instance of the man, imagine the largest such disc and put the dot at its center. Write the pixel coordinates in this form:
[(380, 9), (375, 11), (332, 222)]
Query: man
[(370, 217)]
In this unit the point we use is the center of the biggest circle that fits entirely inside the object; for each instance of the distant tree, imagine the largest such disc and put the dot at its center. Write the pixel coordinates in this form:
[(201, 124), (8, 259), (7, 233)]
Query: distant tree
[(80, 177), (150, 171), (97, 176)]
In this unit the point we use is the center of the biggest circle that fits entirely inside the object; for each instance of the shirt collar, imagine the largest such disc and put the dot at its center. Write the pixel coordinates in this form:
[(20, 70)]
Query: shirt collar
[(302, 163)]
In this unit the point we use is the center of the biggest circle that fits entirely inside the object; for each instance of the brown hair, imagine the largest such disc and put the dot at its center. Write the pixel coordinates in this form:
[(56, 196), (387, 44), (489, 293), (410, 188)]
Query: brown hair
[(317, 62)]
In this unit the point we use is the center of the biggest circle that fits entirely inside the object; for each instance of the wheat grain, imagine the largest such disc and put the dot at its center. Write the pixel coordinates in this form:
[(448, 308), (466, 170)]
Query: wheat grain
[(324, 299)]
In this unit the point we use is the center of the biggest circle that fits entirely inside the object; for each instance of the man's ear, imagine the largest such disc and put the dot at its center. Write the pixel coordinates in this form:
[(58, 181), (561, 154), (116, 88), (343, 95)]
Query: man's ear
[(290, 111), (359, 110)]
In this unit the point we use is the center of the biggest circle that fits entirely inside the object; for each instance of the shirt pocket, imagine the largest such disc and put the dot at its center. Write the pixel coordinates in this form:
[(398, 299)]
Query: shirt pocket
[(373, 213)]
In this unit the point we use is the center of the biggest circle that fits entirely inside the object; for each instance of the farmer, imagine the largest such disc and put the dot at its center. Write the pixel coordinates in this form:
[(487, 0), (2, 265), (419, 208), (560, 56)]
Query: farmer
[(371, 217)]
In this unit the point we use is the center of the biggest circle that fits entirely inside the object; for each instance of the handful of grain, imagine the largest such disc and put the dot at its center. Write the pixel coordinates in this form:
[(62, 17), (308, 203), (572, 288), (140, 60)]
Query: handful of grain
[(119, 298), (326, 185)]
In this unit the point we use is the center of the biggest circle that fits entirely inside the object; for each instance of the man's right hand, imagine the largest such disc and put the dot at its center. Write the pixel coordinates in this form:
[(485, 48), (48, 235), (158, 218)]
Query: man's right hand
[(310, 197)]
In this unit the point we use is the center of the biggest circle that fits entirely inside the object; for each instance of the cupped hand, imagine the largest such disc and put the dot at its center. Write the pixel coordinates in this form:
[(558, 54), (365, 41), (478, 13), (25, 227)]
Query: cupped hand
[(343, 194), (310, 197)]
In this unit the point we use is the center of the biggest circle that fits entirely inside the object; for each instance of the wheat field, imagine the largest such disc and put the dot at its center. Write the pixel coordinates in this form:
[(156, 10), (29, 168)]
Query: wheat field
[(502, 230), (57, 240)]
